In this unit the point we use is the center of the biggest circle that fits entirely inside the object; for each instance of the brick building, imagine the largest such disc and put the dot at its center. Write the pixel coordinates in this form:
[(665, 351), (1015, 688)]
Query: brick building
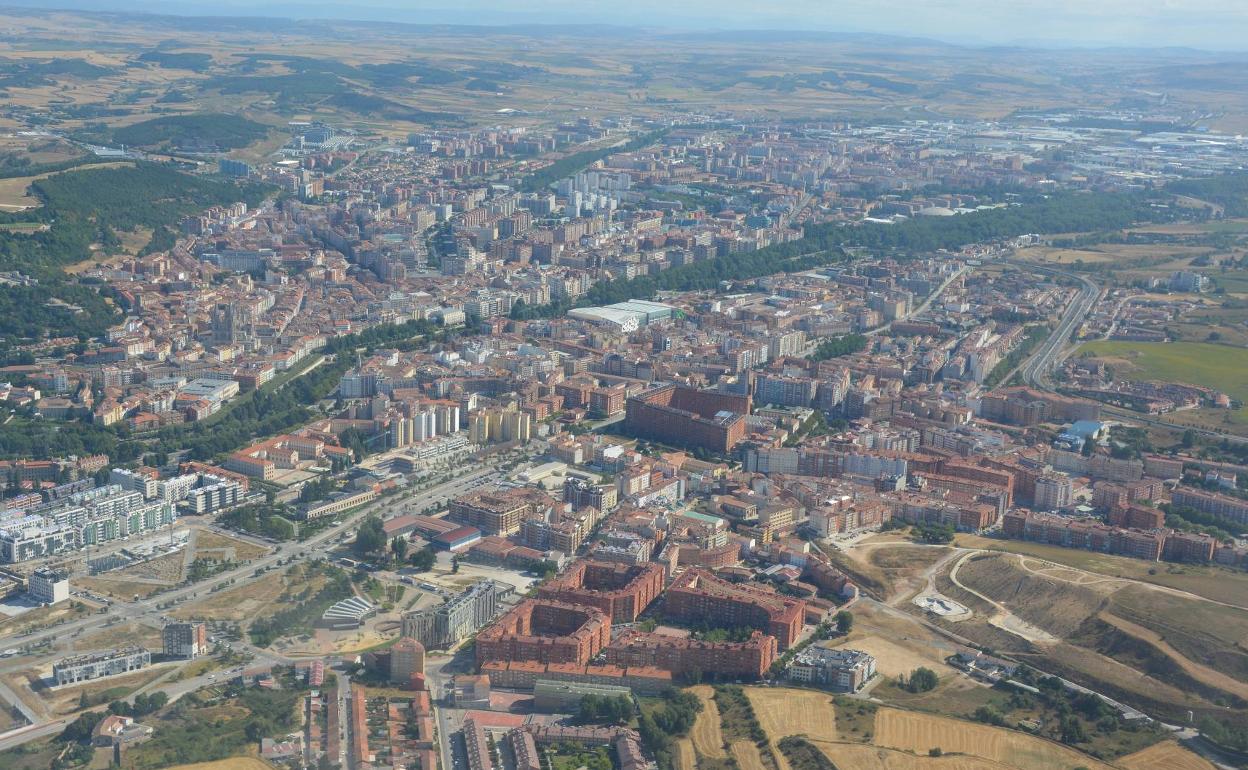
[(683, 416), (682, 656), (498, 511), (697, 596), (621, 591), (546, 631)]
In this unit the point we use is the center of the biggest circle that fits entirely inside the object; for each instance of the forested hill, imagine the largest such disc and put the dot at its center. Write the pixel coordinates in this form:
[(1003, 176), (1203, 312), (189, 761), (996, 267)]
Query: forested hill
[(81, 208)]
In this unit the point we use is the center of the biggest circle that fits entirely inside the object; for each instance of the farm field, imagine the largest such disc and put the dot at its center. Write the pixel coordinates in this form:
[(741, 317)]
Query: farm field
[(708, 739), (747, 755), (1165, 756), (895, 739), (1194, 363), (849, 756), (684, 757), (918, 733), (783, 712)]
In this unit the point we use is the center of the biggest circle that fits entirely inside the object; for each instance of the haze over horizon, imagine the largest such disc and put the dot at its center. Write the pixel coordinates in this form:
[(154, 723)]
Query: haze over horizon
[(1201, 24)]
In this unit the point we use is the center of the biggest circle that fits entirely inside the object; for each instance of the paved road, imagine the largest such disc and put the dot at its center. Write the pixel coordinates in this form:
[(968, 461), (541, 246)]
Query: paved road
[(927, 303), (149, 609), (127, 611), (1037, 369)]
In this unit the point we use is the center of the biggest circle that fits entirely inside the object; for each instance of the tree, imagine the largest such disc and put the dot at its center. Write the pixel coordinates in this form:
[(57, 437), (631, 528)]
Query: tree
[(1189, 438), (844, 621), (989, 716), (922, 679), (370, 537), (1089, 447), (1072, 730), (399, 547), (424, 559)]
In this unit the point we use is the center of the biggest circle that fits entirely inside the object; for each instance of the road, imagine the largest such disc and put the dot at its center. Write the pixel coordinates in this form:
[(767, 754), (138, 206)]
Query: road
[(1037, 368), (128, 611), (927, 303), (149, 610)]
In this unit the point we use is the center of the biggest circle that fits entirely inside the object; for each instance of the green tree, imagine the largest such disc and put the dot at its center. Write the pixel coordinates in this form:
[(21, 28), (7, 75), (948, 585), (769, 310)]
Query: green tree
[(424, 559), (399, 547), (922, 679), (844, 621), (369, 538)]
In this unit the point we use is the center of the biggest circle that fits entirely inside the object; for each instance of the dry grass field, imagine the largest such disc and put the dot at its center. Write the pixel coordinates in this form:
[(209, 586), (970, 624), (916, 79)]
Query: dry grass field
[(121, 588), (234, 763), (919, 733), (119, 636), (1165, 756), (685, 757), (238, 604), (1201, 673), (849, 756), (893, 658), (783, 712), (1216, 583), (746, 755), (66, 700), (708, 740), (243, 550)]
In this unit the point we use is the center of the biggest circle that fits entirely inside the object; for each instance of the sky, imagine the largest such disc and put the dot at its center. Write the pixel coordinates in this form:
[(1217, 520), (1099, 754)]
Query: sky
[(1206, 24)]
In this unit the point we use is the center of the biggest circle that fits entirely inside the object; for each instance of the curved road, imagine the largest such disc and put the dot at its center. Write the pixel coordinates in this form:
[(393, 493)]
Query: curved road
[(1042, 363)]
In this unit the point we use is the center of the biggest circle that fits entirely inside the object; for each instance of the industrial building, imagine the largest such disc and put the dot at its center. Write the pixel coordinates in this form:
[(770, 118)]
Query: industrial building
[(555, 696)]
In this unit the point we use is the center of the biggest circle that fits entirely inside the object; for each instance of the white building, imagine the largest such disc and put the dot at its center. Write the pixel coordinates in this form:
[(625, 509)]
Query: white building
[(48, 586)]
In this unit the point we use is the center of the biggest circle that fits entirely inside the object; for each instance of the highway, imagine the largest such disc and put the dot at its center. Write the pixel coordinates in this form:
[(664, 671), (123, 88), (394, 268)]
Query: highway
[(1038, 368), (1040, 365)]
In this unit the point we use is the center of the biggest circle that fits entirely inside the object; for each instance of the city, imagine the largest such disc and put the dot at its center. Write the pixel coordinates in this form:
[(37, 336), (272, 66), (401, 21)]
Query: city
[(408, 406)]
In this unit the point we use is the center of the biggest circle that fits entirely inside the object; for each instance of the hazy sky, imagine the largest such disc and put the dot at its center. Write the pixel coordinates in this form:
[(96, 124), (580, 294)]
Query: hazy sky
[(1216, 24)]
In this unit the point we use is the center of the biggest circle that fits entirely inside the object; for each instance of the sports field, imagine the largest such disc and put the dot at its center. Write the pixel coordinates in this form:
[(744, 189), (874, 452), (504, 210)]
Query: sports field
[(1195, 363)]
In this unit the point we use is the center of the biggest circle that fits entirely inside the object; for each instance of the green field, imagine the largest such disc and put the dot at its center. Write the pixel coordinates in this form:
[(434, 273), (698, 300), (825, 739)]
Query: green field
[(1195, 363), (1234, 281)]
